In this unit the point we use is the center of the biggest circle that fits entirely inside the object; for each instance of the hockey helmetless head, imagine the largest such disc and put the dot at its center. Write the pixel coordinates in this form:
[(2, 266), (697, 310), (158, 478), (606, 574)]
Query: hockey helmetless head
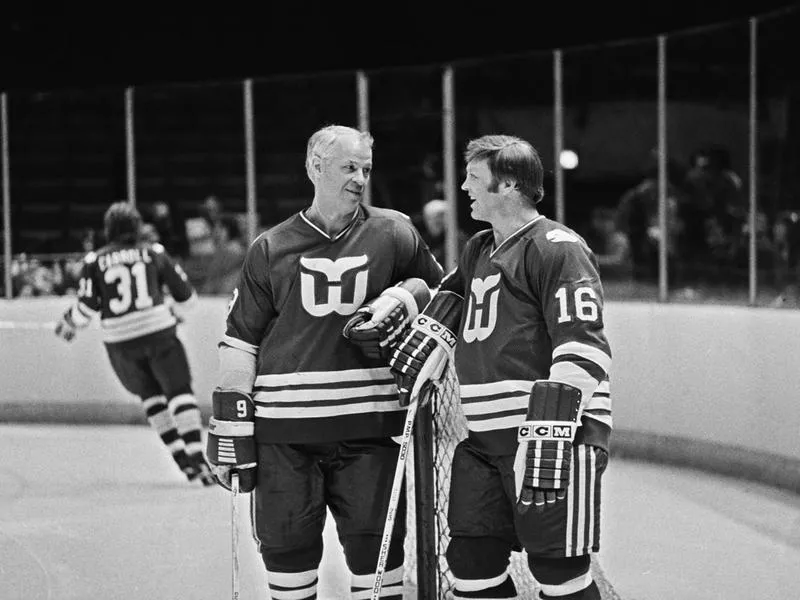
[(122, 223)]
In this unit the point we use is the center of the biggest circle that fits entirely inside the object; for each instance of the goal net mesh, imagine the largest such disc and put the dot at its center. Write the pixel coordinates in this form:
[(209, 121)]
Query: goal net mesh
[(449, 428)]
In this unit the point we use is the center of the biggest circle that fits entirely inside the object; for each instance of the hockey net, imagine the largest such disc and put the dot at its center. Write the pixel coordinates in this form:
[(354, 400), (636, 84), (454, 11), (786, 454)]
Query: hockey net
[(449, 426)]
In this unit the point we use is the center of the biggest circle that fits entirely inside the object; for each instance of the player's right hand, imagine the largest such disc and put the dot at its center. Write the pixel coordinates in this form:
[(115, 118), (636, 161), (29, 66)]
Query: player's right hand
[(421, 358), (231, 444)]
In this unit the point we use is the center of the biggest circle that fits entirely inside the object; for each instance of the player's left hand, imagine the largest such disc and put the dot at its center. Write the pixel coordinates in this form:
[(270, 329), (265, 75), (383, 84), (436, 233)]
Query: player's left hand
[(542, 473), (65, 331)]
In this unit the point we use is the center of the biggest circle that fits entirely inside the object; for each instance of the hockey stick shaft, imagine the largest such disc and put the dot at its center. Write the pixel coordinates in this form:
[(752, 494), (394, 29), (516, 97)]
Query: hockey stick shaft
[(235, 535), (394, 500)]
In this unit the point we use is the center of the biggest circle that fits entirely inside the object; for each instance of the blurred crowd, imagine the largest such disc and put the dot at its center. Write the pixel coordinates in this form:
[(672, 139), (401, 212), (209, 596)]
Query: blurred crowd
[(708, 229), (209, 245), (707, 224)]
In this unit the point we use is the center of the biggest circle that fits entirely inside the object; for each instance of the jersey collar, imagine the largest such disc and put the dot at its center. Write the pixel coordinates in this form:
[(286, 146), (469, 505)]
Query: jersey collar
[(514, 236), (356, 215)]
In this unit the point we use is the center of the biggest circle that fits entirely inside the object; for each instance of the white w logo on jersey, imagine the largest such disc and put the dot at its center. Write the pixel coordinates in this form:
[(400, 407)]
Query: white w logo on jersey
[(559, 235), (483, 297), (332, 275)]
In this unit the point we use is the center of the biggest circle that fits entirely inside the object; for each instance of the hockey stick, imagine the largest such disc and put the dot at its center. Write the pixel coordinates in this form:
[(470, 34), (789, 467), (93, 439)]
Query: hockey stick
[(394, 499), (235, 535)]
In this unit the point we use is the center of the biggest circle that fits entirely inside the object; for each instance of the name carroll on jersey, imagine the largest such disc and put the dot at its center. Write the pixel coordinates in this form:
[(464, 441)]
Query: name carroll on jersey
[(127, 256), (125, 284)]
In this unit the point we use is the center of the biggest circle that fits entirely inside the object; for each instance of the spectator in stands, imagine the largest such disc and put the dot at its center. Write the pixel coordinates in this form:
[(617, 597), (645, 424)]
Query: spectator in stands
[(432, 225), (211, 210), (71, 274), (611, 246), (222, 270), (161, 218), (637, 218), (714, 214), (32, 278), (150, 234)]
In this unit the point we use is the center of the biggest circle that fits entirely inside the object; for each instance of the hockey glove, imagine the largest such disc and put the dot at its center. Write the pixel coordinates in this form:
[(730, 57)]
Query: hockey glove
[(66, 327), (378, 325), (231, 444), (544, 455), (422, 357)]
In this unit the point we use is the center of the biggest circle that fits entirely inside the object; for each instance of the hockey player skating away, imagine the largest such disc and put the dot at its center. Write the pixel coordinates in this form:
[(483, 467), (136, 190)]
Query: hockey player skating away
[(526, 305), (124, 282), (302, 414)]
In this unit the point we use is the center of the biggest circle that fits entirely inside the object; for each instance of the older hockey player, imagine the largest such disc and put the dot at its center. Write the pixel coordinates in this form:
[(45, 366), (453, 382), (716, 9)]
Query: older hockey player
[(124, 283), (304, 415), (522, 314)]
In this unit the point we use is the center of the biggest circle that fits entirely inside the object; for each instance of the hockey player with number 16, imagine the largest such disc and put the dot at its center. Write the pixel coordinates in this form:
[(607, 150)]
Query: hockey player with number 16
[(304, 415), (522, 316)]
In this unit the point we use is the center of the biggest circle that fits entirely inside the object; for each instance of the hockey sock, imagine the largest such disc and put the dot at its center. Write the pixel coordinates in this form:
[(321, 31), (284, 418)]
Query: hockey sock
[(292, 586), (391, 588), (187, 418), (496, 587), (160, 419), (567, 591)]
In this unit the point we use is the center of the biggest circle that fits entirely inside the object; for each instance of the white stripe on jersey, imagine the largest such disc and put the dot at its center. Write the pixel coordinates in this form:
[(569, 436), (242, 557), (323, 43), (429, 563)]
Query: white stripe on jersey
[(240, 345), (475, 390), (306, 395), (137, 324), (318, 394), (575, 375), (297, 411), (478, 412), (586, 351), (82, 315), (323, 377), (504, 422), (483, 408), (599, 401)]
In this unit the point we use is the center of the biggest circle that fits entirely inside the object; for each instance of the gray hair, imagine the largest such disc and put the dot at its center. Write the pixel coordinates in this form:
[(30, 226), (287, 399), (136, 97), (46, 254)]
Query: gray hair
[(321, 143)]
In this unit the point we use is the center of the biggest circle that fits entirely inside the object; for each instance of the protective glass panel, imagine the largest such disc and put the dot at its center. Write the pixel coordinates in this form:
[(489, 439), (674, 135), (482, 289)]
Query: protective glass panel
[(707, 131), (610, 191)]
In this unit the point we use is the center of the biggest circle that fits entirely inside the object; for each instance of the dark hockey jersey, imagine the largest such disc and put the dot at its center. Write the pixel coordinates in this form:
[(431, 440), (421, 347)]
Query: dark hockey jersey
[(297, 289), (533, 309), (126, 284)]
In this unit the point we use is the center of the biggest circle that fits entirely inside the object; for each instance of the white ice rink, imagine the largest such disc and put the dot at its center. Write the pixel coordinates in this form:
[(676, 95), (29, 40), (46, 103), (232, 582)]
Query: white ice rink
[(100, 512)]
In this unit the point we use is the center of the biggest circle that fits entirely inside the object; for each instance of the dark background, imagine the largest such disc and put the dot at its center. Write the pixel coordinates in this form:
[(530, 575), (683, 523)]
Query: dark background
[(65, 70), (52, 47)]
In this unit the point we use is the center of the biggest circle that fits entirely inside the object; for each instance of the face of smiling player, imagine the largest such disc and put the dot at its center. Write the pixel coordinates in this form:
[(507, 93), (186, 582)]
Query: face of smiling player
[(482, 188), (344, 175)]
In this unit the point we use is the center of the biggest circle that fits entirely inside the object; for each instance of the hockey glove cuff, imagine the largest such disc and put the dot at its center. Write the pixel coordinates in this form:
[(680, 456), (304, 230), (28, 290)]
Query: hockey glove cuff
[(231, 444)]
